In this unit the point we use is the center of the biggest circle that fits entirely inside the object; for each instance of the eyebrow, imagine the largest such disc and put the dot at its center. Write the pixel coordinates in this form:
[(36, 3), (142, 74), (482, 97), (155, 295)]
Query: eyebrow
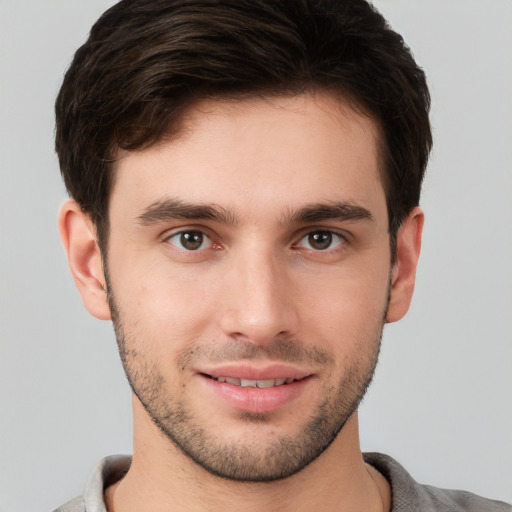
[(175, 209), (318, 212)]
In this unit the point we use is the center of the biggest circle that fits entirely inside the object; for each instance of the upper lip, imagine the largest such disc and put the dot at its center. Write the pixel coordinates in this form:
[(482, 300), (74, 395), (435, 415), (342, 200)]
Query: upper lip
[(252, 372)]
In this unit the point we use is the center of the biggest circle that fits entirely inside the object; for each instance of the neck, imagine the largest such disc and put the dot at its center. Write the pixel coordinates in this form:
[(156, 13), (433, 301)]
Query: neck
[(162, 479)]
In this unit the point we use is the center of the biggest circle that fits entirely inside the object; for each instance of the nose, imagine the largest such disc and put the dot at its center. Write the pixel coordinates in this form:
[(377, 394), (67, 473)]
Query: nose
[(259, 300)]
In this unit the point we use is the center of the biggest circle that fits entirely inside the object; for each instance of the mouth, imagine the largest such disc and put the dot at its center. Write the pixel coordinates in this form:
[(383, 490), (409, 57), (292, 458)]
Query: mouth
[(251, 383), (256, 390)]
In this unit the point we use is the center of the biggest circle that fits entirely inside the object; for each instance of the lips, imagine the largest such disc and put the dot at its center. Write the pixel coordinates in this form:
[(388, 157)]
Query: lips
[(252, 372), (257, 390)]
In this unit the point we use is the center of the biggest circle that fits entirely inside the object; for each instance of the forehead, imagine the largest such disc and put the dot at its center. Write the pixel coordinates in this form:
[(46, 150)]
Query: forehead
[(275, 153)]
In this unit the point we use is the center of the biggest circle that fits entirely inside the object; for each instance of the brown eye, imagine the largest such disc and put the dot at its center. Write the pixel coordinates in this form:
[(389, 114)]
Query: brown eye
[(190, 240), (321, 240)]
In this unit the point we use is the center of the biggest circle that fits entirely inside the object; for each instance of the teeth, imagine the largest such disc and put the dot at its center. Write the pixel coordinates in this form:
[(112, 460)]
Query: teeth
[(249, 383), (268, 383)]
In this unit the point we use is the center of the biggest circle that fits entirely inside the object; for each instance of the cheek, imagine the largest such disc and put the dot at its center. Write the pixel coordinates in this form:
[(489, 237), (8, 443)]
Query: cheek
[(346, 307), (168, 308)]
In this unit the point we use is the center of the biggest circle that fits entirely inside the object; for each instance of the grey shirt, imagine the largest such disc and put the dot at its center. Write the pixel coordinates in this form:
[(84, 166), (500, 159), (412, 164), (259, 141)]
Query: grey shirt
[(407, 494)]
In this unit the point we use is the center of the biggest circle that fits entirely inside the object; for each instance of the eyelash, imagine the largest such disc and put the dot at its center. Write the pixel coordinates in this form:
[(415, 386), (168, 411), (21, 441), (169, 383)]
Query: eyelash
[(197, 237)]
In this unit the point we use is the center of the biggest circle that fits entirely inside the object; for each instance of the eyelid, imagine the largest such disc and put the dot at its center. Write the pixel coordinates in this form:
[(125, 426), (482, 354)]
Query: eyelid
[(184, 228)]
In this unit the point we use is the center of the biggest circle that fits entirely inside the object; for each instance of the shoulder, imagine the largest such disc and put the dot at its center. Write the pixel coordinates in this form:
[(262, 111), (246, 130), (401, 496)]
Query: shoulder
[(76, 505), (410, 496), (452, 500), (108, 471)]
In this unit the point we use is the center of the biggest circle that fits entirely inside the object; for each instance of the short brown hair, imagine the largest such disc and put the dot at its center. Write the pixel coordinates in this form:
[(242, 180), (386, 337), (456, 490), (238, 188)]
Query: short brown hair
[(147, 60)]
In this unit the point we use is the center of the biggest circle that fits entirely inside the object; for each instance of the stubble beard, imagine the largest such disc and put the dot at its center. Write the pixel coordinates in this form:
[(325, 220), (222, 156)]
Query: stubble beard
[(250, 461)]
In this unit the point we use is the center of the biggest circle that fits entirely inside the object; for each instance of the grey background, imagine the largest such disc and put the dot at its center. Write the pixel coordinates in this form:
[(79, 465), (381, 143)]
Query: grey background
[(441, 400)]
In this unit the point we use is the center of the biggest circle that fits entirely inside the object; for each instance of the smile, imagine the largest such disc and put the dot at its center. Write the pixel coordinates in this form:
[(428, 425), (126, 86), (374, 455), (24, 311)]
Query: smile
[(249, 383), (255, 390)]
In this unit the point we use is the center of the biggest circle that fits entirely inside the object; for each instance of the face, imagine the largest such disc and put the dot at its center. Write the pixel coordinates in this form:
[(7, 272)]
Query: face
[(249, 273)]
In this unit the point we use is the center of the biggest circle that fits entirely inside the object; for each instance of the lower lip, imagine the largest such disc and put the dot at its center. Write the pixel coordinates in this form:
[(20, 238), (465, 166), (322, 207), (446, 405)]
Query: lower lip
[(256, 400)]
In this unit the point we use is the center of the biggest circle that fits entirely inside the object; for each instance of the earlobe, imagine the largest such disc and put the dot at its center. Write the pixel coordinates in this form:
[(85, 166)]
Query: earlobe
[(403, 274), (78, 237)]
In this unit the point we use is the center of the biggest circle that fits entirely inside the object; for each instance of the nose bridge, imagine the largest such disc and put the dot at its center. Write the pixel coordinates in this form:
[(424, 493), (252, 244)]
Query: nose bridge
[(259, 306)]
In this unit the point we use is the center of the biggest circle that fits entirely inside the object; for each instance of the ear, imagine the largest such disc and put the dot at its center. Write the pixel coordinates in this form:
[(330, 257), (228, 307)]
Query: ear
[(403, 274), (78, 237)]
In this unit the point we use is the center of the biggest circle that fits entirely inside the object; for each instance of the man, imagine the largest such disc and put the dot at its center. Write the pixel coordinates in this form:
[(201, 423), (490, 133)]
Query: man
[(245, 180)]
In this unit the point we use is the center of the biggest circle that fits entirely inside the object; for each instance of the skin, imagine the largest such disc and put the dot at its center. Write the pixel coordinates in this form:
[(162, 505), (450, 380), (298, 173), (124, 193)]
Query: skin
[(258, 291)]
